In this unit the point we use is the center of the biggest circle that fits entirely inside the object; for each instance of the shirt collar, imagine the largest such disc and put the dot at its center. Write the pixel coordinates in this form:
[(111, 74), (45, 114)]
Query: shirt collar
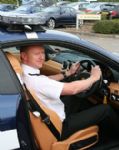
[(28, 69)]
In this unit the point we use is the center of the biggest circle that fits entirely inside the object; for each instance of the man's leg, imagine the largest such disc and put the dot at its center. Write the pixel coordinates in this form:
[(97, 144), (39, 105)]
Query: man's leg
[(99, 115), (73, 104)]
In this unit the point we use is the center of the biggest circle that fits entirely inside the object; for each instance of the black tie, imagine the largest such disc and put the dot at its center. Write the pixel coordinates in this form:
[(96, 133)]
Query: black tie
[(35, 74)]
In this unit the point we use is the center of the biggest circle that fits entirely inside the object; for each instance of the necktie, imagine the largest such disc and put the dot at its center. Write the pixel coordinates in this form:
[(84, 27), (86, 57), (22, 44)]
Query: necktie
[(35, 74)]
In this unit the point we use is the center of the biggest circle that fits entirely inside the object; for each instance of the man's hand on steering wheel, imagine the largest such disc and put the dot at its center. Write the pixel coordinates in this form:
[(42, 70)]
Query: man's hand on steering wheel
[(73, 69), (88, 69), (95, 73)]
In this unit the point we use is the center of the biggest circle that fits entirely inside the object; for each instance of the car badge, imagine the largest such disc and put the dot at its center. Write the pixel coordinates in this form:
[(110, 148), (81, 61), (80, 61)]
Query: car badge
[(31, 35)]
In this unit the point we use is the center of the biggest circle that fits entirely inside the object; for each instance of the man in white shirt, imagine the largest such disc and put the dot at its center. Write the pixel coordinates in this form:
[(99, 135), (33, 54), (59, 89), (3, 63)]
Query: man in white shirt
[(49, 89)]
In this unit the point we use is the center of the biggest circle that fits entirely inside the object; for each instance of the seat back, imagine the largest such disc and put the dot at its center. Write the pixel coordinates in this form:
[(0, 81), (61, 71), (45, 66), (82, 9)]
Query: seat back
[(14, 62), (43, 135), (44, 138)]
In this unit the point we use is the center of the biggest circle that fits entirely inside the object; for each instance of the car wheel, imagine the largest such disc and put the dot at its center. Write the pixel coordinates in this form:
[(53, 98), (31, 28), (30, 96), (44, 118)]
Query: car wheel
[(51, 23)]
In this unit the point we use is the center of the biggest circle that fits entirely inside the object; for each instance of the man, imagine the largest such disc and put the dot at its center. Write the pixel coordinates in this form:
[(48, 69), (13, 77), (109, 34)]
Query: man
[(49, 89)]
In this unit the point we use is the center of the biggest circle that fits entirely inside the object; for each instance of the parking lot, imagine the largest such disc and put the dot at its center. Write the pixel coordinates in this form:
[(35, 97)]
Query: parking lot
[(108, 43)]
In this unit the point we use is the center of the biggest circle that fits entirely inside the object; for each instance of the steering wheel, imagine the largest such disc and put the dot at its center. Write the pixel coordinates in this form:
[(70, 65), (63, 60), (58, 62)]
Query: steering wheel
[(84, 73)]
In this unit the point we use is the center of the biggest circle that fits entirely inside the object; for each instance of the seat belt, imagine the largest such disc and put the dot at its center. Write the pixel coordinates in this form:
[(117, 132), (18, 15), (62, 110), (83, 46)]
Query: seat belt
[(39, 112)]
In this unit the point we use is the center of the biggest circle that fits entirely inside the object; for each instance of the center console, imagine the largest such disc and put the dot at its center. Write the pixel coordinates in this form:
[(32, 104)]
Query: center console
[(114, 91)]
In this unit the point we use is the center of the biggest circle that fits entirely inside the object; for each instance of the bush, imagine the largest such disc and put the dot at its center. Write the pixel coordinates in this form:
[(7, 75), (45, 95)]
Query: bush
[(107, 27), (8, 1)]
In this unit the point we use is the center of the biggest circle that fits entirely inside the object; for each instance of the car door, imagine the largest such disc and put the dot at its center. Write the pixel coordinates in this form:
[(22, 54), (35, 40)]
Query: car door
[(9, 102), (67, 15), (14, 118)]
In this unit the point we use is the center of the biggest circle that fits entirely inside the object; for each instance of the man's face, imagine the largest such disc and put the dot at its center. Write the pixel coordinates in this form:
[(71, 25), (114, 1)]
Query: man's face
[(34, 56)]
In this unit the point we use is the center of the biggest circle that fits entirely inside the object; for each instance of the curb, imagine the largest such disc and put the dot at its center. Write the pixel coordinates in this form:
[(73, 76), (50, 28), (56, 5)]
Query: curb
[(74, 31)]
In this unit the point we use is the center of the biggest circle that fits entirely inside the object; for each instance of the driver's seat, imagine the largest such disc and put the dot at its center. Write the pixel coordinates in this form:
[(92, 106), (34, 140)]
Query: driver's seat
[(44, 138)]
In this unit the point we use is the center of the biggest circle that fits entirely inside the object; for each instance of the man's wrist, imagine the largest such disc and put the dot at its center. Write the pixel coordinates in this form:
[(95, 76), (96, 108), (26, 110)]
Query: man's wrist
[(64, 74), (93, 79)]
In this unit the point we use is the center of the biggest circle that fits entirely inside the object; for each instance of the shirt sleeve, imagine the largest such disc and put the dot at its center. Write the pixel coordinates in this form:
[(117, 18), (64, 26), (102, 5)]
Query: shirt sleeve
[(48, 87)]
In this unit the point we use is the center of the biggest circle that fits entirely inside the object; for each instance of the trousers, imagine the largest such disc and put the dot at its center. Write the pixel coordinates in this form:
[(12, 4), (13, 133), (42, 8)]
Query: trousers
[(102, 115)]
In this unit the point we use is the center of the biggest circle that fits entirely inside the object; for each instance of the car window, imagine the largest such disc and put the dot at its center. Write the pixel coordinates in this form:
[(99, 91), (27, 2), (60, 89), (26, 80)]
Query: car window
[(61, 54), (22, 8), (56, 53), (117, 7), (7, 77), (8, 7), (36, 9), (65, 10), (108, 7), (11, 50)]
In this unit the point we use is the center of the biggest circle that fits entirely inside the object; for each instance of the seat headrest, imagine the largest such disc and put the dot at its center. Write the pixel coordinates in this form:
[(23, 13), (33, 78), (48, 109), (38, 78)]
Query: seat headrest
[(14, 62)]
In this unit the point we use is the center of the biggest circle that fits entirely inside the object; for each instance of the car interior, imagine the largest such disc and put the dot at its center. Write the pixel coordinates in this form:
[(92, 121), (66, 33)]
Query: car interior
[(106, 90)]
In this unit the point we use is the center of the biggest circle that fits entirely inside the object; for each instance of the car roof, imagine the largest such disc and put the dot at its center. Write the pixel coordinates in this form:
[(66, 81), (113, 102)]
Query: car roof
[(43, 35), (5, 36), (9, 38)]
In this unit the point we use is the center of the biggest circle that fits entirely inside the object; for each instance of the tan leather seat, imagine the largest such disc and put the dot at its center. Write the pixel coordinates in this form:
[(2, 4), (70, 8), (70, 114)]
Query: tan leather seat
[(44, 138), (14, 62)]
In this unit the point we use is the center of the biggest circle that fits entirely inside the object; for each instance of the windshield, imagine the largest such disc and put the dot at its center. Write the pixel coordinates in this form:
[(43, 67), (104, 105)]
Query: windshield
[(51, 9), (72, 4), (23, 8), (92, 5), (61, 54)]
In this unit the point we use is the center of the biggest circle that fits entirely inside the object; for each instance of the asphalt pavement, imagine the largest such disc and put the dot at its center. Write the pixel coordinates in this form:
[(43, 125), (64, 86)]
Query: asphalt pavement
[(108, 42)]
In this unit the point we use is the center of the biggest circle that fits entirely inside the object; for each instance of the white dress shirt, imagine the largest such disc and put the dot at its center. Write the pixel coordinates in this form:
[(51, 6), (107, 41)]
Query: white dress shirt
[(47, 90)]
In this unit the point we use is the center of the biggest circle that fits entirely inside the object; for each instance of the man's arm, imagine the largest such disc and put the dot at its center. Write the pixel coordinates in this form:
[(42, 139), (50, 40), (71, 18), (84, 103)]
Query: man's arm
[(76, 87), (57, 77)]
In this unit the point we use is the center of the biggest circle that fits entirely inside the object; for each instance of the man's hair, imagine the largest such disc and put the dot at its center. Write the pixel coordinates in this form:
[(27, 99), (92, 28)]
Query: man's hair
[(25, 48)]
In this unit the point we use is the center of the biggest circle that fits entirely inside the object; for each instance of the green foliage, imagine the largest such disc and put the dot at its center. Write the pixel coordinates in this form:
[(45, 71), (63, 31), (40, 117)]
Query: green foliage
[(107, 27), (108, 0), (8, 1), (15, 1)]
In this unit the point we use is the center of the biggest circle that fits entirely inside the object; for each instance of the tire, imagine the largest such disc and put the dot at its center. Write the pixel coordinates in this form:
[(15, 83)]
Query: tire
[(51, 24)]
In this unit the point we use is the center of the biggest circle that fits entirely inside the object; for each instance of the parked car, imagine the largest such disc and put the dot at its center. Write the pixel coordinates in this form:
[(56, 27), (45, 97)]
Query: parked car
[(111, 10), (29, 9), (59, 15), (7, 7), (61, 3), (25, 14), (79, 6), (95, 7), (51, 17), (15, 123)]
